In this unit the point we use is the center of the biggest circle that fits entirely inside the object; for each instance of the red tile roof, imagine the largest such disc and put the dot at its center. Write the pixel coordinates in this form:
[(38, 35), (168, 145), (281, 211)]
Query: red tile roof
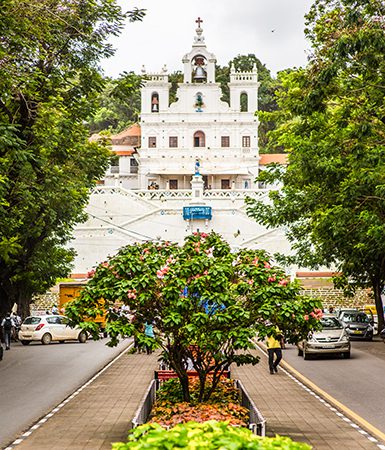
[(268, 158)]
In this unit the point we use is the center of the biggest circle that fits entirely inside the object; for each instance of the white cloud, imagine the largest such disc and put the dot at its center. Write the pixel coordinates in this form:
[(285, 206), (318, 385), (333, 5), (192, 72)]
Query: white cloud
[(230, 28)]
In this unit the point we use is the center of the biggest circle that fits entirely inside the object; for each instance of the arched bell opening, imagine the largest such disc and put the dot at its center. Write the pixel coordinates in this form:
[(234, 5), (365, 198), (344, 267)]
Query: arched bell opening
[(244, 102), (199, 74), (154, 102)]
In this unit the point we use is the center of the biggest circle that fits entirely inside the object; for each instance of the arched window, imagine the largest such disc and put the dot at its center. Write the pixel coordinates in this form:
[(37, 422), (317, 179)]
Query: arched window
[(154, 102), (244, 102), (199, 139)]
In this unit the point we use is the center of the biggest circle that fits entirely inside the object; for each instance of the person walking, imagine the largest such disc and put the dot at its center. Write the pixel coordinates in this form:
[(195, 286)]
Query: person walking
[(149, 332), (7, 325), (274, 348)]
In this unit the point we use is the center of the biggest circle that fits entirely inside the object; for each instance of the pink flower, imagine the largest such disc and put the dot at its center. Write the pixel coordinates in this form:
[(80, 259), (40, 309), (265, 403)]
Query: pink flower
[(91, 273), (267, 265), (255, 261), (204, 235), (250, 282), (131, 293), (206, 272), (272, 279), (306, 317), (313, 314), (283, 282), (160, 274), (105, 264), (293, 316)]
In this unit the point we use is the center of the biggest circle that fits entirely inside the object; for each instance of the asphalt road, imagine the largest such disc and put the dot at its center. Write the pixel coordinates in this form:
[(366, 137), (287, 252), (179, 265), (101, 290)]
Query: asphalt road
[(358, 383), (34, 379)]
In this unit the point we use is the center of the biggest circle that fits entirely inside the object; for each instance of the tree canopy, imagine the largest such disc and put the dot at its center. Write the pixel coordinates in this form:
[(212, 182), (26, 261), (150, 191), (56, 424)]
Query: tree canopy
[(205, 302), (49, 80), (331, 120)]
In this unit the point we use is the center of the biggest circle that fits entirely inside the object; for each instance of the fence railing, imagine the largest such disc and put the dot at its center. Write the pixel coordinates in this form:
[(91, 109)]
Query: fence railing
[(143, 412), (257, 422)]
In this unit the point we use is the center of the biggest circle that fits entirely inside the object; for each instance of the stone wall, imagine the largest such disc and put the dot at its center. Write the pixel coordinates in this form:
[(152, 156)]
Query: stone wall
[(44, 302), (337, 299)]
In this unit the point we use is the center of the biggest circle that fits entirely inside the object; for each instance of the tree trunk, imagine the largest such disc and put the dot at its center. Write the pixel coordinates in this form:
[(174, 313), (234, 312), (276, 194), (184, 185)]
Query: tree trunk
[(377, 289), (5, 302)]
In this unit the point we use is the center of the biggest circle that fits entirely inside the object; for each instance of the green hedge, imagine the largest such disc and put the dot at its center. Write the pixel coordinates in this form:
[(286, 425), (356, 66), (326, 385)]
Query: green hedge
[(209, 435)]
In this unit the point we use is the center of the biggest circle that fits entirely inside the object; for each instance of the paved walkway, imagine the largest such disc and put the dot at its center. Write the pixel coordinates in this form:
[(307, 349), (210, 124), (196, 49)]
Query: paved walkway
[(101, 412)]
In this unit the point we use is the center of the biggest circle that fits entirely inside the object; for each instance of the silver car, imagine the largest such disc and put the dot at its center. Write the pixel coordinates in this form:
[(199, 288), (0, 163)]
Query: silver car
[(331, 339)]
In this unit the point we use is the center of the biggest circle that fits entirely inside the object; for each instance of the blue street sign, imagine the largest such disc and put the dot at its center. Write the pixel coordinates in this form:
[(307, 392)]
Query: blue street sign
[(197, 212)]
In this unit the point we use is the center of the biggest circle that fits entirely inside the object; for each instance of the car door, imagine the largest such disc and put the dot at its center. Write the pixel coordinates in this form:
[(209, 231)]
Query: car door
[(56, 328), (69, 333)]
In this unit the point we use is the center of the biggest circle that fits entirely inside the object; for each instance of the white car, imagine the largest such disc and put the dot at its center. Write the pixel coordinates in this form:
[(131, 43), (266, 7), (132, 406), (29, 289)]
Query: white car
[(49, 328), (331, 339)]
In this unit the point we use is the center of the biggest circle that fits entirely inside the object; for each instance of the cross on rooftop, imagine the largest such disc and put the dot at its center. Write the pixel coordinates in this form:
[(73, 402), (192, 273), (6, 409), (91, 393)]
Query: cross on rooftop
[(199, 21)]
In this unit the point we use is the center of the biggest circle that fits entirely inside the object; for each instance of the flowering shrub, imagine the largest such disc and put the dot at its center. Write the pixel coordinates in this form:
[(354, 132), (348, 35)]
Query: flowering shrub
[(223, 404), (205, 301), (209, 435)]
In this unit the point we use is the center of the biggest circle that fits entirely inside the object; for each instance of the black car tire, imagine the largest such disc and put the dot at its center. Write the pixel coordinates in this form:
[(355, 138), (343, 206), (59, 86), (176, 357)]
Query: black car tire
[(300, 352), (24, 342), (82, 337), (346, 355), (46, 339)]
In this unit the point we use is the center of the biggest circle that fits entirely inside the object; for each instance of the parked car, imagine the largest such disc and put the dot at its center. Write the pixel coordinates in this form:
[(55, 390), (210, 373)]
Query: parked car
[(49, 328), (331, 339), (341, 311), (358, 325)]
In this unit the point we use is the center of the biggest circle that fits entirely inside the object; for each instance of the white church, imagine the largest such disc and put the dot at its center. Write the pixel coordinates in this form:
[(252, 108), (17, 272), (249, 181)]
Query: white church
[(187, 166)]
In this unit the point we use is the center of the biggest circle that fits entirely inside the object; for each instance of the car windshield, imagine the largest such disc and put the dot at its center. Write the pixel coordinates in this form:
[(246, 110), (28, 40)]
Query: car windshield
[(32, 321), (360, 318), (330, 323)]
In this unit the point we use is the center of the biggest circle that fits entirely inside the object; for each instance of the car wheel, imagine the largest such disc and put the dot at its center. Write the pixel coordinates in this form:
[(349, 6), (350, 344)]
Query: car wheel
[(300, 352), (24, 342), (346, 355), (46, 339), (82, 337), (306, 355)]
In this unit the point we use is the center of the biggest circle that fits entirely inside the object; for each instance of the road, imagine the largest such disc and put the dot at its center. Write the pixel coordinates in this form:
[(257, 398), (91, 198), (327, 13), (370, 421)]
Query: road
[(358, 383), (36, 378)]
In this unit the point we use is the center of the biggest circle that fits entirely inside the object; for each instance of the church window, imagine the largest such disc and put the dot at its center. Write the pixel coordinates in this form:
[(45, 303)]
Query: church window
[(225, 184), (173, 141), (133, 165), (152, 141), (199, 102), (155, 102), (246, 141), (199, 139), (225, 141), (244, 102), (173, 184)]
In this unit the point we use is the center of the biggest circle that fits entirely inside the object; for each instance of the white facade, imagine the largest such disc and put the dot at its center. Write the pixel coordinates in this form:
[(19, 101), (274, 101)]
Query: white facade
[(198, 152), (199, 126)]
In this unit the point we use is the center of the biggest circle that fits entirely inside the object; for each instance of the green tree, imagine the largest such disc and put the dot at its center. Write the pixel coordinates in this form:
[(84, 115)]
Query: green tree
[(206, 303), (49, 82), (118, 104), (331, 120)]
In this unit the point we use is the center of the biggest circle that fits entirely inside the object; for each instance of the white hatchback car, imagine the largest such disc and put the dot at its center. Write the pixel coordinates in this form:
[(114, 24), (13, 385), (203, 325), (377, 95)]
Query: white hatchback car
[(49, 328)]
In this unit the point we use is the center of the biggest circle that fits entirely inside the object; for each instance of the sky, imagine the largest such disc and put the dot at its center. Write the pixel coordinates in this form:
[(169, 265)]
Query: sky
[(271, 29)]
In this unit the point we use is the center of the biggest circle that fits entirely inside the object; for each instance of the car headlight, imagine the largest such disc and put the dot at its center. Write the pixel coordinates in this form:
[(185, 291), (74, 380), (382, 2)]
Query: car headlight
[(344, 336)]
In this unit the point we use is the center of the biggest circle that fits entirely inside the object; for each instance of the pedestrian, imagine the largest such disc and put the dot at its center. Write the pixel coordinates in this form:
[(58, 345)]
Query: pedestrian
[(274, 348), (55, 310), (149, 332), (7, 324)]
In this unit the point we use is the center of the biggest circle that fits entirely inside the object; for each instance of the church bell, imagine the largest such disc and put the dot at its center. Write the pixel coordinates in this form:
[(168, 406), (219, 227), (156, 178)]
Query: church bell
[(200, 74)]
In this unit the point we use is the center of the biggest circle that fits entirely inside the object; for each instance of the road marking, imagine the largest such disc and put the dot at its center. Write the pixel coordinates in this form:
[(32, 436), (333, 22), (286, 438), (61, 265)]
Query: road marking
[(64, 402), (331, 402)]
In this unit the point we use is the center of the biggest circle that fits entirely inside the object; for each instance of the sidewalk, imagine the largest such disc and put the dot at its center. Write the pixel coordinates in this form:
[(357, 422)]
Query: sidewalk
[(101, 413)]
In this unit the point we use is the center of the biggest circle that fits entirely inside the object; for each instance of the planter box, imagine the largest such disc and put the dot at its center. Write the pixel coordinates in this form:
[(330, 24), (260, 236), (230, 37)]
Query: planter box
[(257, 423)]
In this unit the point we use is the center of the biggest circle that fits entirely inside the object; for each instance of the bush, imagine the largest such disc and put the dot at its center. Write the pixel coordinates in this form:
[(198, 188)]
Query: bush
[(209, 435)]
